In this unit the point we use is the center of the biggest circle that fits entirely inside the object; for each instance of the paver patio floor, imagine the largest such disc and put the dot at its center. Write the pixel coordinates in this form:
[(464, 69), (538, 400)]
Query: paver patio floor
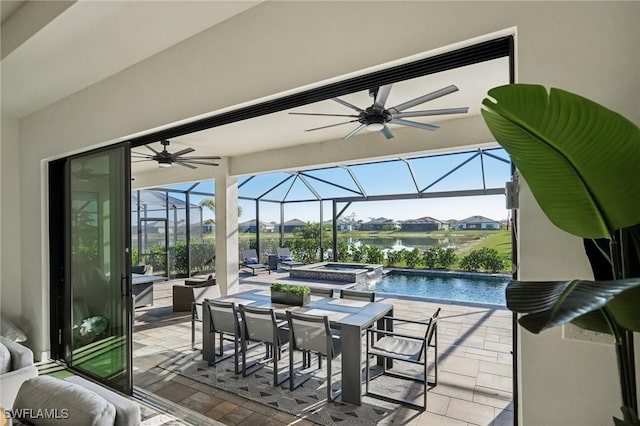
[(475, 369)]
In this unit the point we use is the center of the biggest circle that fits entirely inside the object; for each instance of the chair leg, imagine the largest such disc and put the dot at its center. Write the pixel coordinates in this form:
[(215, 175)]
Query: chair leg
[(426, 380), (435, 361), (221, 344), (235, 355), (329, 394), (193, 332), (291, 368)]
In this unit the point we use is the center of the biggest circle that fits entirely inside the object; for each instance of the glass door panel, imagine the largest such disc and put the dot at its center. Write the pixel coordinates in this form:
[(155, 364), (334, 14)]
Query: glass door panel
[(99, 266)]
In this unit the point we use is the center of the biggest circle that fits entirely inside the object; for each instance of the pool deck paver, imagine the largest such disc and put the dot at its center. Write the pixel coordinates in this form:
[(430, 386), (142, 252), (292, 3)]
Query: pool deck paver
[(475, 369)]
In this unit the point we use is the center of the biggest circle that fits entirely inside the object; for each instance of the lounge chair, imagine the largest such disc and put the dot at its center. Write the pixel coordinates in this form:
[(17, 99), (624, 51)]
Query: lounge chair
[(250, 261), (284, 258)]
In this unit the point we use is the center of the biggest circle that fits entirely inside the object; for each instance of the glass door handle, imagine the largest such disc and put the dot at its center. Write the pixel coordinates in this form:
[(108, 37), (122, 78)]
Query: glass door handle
[(124, 287)]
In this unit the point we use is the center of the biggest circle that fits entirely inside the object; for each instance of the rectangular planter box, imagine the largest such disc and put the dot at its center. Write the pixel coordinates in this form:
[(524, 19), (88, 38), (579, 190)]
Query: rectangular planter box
[(289, 298)]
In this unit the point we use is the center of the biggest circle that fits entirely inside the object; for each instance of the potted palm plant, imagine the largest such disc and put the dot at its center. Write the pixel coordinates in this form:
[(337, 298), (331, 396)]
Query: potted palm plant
[(288, 294), (580, 160)]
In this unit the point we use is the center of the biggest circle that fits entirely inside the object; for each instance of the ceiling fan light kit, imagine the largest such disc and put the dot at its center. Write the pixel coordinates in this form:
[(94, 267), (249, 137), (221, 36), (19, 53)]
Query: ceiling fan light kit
[(376, 117)]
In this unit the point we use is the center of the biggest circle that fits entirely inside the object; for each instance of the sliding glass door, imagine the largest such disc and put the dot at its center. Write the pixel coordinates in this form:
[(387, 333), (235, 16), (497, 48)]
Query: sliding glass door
[(97, 267)]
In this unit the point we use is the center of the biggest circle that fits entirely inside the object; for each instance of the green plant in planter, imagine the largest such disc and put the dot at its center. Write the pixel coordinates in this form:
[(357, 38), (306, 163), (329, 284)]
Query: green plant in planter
[(292, 289), (580, 160)]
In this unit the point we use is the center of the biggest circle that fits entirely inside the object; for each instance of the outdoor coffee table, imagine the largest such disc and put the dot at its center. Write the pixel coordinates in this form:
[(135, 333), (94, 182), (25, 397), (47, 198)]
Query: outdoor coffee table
[(343, 314)]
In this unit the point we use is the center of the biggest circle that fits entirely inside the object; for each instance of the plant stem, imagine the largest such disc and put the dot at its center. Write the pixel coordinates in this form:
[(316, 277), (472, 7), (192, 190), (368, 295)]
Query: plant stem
[(624, 339)]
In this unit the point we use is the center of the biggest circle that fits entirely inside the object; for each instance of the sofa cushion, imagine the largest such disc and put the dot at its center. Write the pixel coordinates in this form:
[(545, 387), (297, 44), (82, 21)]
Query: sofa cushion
[(5, 359), (9, 330), (47, 401)]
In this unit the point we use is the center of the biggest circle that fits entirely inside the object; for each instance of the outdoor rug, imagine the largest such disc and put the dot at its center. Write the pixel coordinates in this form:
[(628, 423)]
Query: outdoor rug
[(310, 399)]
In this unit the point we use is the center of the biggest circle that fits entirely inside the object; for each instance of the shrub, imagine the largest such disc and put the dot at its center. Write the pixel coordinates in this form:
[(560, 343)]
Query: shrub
[(431, 257), (447, 258), (394, 257), (485, 258), (374, 254), (358, 253), (305, 249), (413, 258), (343, 251), (290, 288)]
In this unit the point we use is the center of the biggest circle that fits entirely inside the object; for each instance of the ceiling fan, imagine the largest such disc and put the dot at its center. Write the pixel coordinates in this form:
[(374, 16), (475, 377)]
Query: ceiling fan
[(85, 173), (376, 117), (166, 159)]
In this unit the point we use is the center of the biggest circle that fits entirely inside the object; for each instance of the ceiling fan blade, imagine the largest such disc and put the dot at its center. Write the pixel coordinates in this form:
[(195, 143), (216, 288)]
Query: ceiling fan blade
[(347, 104), (182, 152), (183, 164), (414, 124), (424, 98), (431, 112), (151, 149), (323, 115), (203, 157), (205, 163), (382, 96), (140, 161), (149, 157), (354, 131), (330, 125), (387, 132)]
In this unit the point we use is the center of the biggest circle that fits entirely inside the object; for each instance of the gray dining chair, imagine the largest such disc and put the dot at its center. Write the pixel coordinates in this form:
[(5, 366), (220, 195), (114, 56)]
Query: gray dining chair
[(199, 295), (260, 325), (366, 296), (406, 348), (225, 321), (311, 334)]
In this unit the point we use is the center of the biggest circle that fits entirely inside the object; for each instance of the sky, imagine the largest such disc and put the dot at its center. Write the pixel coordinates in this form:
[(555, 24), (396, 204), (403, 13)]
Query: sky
[(450, 172)]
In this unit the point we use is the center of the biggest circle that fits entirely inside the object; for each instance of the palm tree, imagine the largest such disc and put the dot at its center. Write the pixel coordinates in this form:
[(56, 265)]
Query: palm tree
[(210, 203)]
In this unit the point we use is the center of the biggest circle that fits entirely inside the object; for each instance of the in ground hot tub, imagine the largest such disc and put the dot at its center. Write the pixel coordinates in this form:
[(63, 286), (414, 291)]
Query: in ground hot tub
[(335, 271)]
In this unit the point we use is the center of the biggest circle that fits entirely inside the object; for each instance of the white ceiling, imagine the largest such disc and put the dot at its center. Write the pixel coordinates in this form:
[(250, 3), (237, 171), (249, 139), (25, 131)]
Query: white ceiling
[(281, 130), (92, 40)]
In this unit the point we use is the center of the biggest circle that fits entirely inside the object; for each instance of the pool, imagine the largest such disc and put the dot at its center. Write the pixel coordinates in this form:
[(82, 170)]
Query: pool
[(336, 271), (454, 286)]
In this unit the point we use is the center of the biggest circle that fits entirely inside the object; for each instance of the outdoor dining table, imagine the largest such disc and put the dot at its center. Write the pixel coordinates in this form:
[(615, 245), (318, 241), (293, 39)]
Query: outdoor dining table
[(350, 316)]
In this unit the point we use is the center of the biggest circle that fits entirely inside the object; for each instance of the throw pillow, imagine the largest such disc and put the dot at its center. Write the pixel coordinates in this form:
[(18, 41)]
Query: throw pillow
[(5, 359), (80, 311), (251, 261), (285, 258), (11, 331)]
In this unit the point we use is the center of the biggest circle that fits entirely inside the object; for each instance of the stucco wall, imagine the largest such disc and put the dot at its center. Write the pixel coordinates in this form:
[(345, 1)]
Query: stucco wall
[(10, 281), (587, 47)]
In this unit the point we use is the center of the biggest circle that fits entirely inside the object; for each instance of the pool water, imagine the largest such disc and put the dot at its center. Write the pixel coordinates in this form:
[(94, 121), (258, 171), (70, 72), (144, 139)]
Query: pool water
[(478, 288)]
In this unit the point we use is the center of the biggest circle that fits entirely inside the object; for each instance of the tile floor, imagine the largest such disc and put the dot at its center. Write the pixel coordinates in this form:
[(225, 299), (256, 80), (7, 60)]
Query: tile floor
[(475, 380)]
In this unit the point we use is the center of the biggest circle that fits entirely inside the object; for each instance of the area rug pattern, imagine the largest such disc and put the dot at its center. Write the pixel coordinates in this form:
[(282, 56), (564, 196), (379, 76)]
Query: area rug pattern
[(309, 400)]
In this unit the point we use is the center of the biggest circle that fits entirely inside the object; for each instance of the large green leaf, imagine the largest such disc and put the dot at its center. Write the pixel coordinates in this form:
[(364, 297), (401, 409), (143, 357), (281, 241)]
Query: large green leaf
[(580, 159), (547, 304)]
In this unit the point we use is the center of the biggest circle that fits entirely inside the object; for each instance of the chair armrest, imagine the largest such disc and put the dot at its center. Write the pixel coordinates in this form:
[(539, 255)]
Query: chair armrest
[(407, 320), (394, 334), (194, 310)]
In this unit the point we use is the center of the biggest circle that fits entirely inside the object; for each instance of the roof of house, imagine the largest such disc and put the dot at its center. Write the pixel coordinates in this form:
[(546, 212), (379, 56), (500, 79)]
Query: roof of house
[(476, 219), (379, 221), (421, 220), (295, 222)]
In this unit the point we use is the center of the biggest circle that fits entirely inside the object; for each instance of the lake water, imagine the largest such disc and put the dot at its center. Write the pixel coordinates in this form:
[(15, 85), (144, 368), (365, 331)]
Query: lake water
[(395, 243), (464, 287)]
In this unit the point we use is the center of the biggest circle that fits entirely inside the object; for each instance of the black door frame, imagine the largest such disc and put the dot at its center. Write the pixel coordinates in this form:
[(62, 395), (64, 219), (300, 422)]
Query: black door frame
[(59, 262)]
